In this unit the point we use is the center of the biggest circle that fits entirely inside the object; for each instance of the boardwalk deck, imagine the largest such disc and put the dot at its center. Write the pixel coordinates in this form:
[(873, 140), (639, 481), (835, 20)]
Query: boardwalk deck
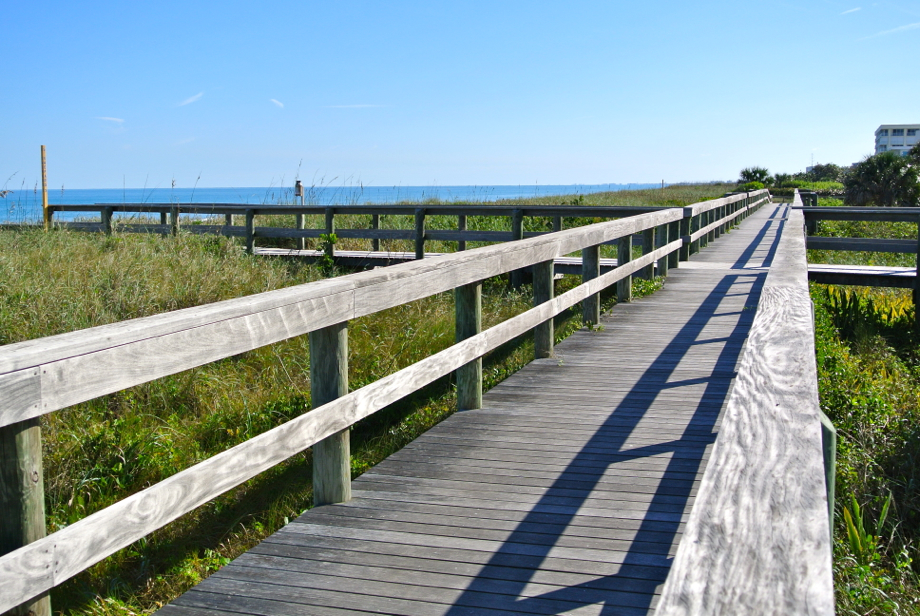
[(566, 493)]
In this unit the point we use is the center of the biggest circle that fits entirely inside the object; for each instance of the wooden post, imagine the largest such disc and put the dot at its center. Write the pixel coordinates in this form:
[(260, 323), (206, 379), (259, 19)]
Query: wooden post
[(624, 256), (544, 333), (328, 381), (461, 226), (105, 215), (517, 233), (829, 449), (711, 218), (174, 221), (648, 240), (46, 214), (330, 230), (164, 218), (557, 223), (694, 227), (375, 225), (468, 314), (250, 231), (674, 234), (685, 224), (591, 269), (228, 220), (420, 233), (22, 497), (661, 238), (720, 214), (299, 218)]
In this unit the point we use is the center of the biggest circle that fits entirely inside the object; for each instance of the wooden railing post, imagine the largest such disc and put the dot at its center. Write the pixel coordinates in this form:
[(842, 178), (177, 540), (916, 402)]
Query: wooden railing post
[(694, 227), (105, 214), (329, 381), (228, 220), (661, 238), (329, 246), (375, 225), (544, 333), (685, 225), (557, 223), (164, 218), (22, 498), (591, 269), (300, 225), (517, 233), (648, 240), (420, 233), (174, 221), (461, 226), (624, 256), (674, 234), (711, 218), (468, 314), (829, 449), (250, 231)]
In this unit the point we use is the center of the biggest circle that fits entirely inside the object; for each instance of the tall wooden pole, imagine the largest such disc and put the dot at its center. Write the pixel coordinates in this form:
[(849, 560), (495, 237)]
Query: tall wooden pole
[(46, 215)]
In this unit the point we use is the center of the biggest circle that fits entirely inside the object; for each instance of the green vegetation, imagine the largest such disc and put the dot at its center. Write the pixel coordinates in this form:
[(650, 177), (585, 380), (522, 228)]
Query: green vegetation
[(884, 180), (101, 451), (761, 175), (869, 380)]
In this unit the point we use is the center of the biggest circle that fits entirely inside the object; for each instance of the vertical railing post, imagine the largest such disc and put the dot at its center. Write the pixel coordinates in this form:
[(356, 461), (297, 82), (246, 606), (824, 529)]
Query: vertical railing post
[(164, 218), (461, 226), (557, 223), (661, 238), (674, 234), (694, 227), (420, 233), (517, 233), (648, 240), (591, 269), (624, 256), (329, 246), (468, 315), (329, 381), (375, 225), (711, 218), (228, 220), (250, 231), (720, 214), (22, 498), (105, 214), (174, 221), (544, 333), (684, 253), (829, 449)]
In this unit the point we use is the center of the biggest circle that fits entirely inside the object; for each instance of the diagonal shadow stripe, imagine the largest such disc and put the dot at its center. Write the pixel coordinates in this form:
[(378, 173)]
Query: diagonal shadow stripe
[(632, 589)]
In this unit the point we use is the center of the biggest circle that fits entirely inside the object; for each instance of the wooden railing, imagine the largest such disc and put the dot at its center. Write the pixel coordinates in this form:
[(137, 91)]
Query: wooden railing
[(758, 537), (41, 376)]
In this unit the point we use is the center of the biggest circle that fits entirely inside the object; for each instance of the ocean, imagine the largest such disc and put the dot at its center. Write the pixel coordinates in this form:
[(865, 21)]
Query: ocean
[(25, 206)]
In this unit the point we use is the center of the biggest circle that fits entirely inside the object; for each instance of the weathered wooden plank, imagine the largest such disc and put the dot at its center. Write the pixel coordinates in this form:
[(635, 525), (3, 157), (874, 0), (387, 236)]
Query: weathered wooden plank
[(758, 540), (862, 244)]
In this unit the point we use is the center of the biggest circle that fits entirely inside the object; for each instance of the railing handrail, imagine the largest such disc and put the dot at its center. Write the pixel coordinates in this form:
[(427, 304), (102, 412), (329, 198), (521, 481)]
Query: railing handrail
[(758, 537), (43, 375)]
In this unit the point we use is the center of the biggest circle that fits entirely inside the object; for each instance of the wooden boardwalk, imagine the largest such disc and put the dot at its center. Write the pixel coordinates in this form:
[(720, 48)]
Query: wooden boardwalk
[(566, 493)]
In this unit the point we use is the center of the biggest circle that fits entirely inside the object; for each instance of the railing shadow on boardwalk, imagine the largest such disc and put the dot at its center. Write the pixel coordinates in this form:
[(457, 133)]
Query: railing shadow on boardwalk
[(646, 564)]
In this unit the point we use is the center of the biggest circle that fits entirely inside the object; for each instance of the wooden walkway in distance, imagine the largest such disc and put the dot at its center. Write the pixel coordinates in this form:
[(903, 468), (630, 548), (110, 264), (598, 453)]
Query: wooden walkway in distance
[(565, 494)]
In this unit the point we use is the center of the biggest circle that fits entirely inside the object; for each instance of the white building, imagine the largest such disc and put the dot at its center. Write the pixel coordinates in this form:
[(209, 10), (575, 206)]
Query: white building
[(896, 138)]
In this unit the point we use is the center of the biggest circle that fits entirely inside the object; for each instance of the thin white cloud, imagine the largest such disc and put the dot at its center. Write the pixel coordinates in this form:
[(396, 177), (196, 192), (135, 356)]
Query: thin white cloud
[(277, 102), (107, 119), (905, 28), (851, 10), (351, 106), (191, 100), (184, 141)]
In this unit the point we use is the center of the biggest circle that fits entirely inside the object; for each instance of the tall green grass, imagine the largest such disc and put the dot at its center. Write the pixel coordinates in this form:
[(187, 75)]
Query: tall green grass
[(100, 451)]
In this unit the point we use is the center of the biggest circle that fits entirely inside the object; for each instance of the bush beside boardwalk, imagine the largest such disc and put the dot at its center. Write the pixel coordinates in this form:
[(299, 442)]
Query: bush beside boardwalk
[(99, 452), (869, 378)]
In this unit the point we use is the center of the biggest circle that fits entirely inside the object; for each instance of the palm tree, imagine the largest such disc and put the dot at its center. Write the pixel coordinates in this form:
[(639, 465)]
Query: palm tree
[(885, 180)]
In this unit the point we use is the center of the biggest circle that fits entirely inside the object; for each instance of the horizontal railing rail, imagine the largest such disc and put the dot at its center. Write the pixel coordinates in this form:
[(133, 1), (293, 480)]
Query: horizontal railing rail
[(758, 537), (41, 376)]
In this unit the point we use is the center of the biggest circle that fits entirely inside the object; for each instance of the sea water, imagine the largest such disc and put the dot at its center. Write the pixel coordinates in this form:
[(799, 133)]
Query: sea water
[(26, 205)]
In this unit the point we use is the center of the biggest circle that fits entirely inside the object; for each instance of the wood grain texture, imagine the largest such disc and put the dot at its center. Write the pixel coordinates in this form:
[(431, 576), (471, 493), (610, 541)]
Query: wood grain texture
[(757, 540), (328, 382)]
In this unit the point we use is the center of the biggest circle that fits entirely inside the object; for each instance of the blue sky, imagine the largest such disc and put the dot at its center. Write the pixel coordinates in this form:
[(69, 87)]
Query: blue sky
[(446, 93)]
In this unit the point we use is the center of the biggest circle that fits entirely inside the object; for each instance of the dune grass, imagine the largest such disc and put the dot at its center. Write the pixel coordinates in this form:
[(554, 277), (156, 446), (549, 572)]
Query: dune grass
[(100, 451)]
